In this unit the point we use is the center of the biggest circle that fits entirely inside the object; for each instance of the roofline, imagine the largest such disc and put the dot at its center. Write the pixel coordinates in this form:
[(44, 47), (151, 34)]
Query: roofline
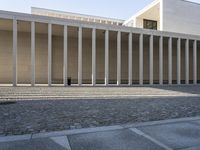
[(60, 21), (78, 14), (152, 4), (196, 3)]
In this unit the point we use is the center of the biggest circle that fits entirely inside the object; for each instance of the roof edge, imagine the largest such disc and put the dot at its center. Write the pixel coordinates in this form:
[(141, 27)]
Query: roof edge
[(77, 14), (152, 4)]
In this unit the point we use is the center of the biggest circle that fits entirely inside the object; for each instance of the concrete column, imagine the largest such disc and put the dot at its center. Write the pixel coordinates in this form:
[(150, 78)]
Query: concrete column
[(170, 60), (118, 58), (93, 56), (195, 62), (65, 68), (151, 60), (14, 52), (161, 60), (130, 49), (106, 57), (32, 53), (49, 54), (187, 61), (80, 56), (179, 61), (141, 59)]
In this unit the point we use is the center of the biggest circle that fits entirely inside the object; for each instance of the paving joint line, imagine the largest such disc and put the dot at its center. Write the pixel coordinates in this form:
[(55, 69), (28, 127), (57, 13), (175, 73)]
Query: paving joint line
[(92, 130), (77, 131), (139, 132), (168, 121), (69, 145)]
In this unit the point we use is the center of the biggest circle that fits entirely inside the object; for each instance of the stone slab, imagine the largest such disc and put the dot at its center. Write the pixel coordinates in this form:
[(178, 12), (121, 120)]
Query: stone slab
[(197, 122), (111, 140), (35, 144), (175, 135), (193, 148), (15, 138), (63, 141)]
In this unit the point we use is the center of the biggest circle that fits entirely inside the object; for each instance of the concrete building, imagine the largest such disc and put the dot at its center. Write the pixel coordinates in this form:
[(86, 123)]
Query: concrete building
[(158, 45), (170, 15)]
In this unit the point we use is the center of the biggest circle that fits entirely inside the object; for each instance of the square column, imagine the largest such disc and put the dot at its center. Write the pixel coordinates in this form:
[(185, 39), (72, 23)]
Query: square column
[(32, 53), (14, 52), (151, 60), (141, 59), (170, 60), (80, 56), (195, 62), (65, 69), (93, 56), (161, 60), (106, 57), (179, 61), (130, 49), (49, 54), (187, 61), (118, 58)]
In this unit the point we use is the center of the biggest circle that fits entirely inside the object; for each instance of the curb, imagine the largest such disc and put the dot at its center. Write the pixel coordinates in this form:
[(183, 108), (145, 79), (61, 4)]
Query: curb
[(92, 130)]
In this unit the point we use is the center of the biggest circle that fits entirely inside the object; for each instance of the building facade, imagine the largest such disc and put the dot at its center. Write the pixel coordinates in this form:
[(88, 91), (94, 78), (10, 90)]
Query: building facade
[(47, 47), (178, 16)]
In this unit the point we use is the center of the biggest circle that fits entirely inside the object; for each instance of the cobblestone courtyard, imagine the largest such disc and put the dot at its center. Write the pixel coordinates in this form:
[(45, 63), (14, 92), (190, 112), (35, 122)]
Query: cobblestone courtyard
[(42, 115)]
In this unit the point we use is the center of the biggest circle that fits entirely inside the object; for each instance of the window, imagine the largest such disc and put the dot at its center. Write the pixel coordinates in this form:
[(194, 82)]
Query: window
[(150, 24)]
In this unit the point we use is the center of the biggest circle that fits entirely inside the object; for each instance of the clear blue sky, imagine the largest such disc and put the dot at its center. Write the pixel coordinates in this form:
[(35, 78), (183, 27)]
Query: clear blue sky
[(121, 9)]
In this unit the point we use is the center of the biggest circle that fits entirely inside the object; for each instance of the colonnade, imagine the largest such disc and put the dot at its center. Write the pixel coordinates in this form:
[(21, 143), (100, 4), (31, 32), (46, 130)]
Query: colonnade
[(130, 49)]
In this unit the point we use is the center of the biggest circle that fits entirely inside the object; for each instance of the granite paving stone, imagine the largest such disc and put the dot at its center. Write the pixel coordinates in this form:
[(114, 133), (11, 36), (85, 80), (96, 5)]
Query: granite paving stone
[(111, 140), (35, 144), (175, 135), (44, 115)]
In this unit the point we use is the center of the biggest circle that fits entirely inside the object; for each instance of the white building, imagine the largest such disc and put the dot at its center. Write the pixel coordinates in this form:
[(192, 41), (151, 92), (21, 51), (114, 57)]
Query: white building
[(158, 45), (179, 16)]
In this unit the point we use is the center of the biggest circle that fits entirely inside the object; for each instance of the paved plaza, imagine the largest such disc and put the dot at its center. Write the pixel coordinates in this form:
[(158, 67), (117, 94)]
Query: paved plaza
[(45, 111), (181, 134), (98, 118)]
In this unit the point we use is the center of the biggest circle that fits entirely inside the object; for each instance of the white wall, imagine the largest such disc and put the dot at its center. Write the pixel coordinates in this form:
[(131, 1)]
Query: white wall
[(139, 23), (181, 16)]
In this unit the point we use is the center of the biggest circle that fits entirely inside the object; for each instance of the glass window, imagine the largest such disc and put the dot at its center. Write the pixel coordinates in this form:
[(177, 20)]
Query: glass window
[(150, 24)]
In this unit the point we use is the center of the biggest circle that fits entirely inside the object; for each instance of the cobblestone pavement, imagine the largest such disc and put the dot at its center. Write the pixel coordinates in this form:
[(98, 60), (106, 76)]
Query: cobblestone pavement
[(41, 116), (34, 116)]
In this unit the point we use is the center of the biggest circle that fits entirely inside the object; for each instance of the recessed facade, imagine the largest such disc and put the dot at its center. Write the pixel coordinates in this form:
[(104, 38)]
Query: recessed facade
[(158, 45)]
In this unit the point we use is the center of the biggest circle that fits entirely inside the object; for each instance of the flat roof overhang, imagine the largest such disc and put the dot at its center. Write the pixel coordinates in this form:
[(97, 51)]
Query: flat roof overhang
[(84, 24)]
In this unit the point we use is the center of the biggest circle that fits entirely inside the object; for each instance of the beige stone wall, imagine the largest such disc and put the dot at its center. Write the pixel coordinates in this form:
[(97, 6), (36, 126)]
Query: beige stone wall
[(24, 58), (198, 63), (57, 58), (124, 59), (100, 53), (5, 57), (41, 56)]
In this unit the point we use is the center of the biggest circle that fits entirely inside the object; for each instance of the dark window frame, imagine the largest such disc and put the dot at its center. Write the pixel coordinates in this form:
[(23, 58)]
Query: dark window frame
[(150, 24)]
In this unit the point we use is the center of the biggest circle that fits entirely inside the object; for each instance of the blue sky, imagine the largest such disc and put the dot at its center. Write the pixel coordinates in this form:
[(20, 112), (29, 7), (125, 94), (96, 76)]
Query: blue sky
[(121, 9)]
